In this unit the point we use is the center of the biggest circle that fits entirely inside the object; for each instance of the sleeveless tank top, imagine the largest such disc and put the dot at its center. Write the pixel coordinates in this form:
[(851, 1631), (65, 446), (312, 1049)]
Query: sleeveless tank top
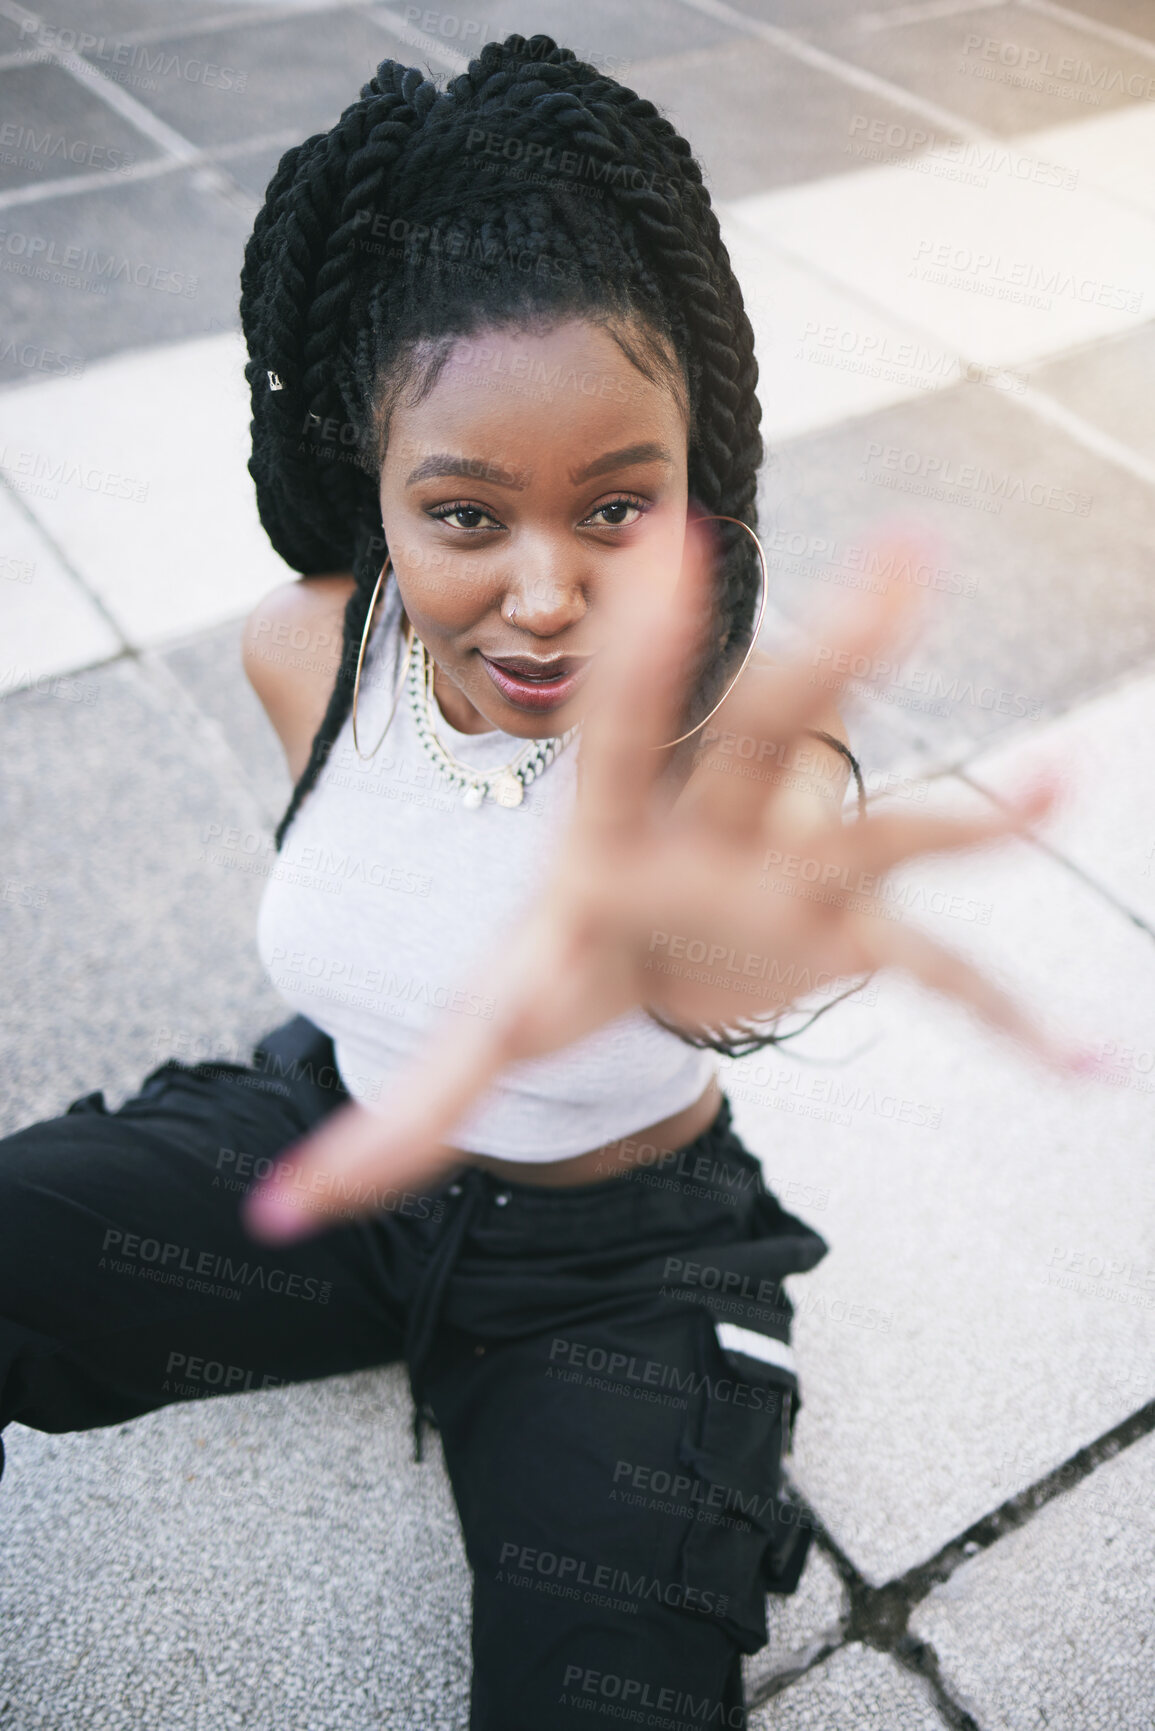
[(387, 896)]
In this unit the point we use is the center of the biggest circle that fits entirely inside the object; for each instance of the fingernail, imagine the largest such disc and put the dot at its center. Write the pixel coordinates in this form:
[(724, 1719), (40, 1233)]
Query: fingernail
[(1085, 1062), (270, 1214)]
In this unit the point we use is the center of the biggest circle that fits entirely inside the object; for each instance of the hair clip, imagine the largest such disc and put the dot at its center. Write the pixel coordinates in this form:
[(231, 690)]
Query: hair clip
[(276, 383)]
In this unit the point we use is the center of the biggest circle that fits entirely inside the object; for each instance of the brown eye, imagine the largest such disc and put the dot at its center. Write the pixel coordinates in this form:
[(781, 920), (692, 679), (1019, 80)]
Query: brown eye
[(613, 513)]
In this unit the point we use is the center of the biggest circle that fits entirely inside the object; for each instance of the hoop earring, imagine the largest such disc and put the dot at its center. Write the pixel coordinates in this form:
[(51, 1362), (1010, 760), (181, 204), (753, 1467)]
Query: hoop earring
[(753, 635), (366, 757)]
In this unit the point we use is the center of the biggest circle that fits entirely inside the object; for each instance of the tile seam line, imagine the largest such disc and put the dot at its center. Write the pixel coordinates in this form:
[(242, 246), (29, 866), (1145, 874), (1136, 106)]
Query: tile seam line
[(1091, 26), (821, 60), (874, 23), (95, 600), (69, 185), (249, 16), (893, 1602), (183, 702), (148, 124), (1061, 859), (149, 660)]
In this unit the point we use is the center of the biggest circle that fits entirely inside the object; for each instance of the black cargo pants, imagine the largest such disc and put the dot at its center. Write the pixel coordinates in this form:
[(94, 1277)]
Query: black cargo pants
[(608, 1365)]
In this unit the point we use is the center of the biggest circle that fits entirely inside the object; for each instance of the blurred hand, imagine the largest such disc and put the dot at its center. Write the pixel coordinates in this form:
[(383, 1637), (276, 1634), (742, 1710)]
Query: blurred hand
[(710, 906)]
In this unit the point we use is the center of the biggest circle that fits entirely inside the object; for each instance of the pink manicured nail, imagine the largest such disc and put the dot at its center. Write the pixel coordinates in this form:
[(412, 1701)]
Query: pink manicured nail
[(270, 1214)]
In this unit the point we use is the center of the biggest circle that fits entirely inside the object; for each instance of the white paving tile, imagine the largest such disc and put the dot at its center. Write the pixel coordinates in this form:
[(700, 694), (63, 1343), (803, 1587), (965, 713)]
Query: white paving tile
[(48, 625), (1004, 272), (1052, 1625), (1105, 823), (137, 469), (856, 1689), (985, 1308), (823, 356), (1111, 152)]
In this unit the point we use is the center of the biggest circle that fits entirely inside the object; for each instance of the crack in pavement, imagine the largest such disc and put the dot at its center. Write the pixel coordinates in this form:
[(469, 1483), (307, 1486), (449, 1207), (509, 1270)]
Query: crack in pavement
[(879, 1617)]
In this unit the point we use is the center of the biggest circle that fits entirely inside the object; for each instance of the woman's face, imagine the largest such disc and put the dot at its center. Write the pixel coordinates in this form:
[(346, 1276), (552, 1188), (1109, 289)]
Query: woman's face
[(521, 487)]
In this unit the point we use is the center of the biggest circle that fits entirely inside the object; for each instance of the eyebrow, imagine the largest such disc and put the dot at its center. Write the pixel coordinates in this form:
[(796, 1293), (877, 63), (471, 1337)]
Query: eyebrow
[(477, 468), (628, 455), (473, 468)]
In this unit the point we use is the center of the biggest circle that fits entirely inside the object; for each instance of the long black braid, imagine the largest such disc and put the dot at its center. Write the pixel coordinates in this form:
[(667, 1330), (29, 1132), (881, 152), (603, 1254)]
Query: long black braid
[(409, 225)]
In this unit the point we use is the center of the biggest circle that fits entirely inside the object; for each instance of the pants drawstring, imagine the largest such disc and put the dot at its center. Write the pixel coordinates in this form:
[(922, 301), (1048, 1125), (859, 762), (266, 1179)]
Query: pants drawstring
[(425, 1309)]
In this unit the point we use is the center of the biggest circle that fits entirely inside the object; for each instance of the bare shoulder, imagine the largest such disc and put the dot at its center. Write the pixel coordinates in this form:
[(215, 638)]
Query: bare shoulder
[(291, 649)]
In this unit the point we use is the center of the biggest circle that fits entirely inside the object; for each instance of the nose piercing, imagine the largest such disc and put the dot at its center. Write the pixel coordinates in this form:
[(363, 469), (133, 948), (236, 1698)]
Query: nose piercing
[(512, 613)]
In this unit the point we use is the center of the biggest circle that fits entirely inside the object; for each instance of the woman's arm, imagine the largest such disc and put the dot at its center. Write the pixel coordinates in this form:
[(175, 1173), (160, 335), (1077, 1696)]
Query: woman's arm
[(291, 650)]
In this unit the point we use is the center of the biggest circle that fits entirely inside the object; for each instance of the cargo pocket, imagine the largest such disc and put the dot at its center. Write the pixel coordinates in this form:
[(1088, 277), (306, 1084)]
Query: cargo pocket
[(747, 1539)]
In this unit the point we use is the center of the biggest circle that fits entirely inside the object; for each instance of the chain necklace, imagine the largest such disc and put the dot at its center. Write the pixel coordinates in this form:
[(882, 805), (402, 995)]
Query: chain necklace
[(505, 785)]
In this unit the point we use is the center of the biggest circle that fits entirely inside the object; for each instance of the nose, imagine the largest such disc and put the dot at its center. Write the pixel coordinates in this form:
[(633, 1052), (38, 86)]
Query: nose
[(547, 589)]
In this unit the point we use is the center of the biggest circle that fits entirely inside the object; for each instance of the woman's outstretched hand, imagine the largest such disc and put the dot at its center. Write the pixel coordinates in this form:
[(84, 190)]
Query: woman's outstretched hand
[(711, 908)]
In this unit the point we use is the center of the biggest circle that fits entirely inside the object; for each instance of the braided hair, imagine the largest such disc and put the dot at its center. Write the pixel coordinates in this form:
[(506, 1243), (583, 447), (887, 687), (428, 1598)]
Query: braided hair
[(530, 189)]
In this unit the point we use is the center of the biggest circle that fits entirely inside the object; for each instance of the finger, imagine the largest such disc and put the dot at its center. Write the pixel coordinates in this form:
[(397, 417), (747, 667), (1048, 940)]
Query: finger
[(759, 728), (886, 838), (361, 1158), (945, 971), (652, 628)]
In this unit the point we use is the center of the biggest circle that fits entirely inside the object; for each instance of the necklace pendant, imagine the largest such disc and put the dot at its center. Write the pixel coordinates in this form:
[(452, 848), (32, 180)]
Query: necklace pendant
[(507, 790), (472, 798)]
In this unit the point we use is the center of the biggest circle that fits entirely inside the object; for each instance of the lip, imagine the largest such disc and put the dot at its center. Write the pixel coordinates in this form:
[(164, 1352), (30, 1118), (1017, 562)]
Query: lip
[(537, 696)]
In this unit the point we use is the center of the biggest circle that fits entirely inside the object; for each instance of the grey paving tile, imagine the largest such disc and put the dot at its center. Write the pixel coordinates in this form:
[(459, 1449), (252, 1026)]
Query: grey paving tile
[(856, 1689), (210, 671), (1007, 69), (800, 16), (130, 944), (1052, 1625), (59, 17), (223, 86), (1134, 16), (722, 99), (265, 1559), (90, 274), (986, 1307), (1110, 386), (53, 126), (1036, 569), (613, 37), (252, 166), (800, 1624)]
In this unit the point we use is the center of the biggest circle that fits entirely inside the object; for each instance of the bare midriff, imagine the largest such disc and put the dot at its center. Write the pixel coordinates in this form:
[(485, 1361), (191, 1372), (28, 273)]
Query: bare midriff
[(667, 1135)]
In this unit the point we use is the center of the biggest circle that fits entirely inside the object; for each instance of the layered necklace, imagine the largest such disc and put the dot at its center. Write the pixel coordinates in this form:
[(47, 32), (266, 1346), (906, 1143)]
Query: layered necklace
[(505, 785)]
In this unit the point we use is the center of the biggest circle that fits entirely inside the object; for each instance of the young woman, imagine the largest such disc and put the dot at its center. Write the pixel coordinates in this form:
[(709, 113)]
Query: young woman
[(500, 373)]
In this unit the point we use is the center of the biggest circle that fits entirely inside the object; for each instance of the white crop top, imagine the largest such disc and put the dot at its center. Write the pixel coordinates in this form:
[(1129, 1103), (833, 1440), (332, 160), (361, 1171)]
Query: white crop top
[(386, 898)]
